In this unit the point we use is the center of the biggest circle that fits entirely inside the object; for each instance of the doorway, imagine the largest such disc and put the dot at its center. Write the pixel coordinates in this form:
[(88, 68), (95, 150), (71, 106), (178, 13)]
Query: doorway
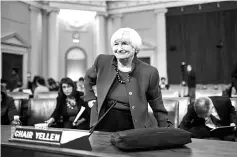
[(75, 63), (10, 61)]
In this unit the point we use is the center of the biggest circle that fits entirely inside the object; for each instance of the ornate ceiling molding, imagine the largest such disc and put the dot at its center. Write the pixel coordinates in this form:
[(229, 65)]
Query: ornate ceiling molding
[(112, 6), (135, 6), (97, 6)]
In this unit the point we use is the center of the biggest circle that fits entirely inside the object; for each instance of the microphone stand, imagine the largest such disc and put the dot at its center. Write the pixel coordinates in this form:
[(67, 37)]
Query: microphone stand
[(93, 127)]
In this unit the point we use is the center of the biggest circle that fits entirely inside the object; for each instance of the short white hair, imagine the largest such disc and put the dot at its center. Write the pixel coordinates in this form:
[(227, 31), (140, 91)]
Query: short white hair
[(129, 35), (202, 105)]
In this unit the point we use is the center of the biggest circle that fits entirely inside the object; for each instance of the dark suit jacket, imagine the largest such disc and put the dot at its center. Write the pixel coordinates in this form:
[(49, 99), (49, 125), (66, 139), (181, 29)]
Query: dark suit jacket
[(191, 79), (8, 109), (61, 107), (143, 88), (223, 107), (234, 71)]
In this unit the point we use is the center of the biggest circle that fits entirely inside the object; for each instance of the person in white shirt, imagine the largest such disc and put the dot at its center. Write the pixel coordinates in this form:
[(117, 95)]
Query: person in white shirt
[(163, 84), (208, 113), (41, 87)]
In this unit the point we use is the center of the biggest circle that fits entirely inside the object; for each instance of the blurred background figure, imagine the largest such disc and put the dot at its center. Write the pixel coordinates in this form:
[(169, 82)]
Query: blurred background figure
[(41, 87), (191, 82), (53, 86), (233, 81), (18, 88), (14, 79), (8, 109), (80, 85), (163, 84), (4, 85), (32, 84), (182, 67)]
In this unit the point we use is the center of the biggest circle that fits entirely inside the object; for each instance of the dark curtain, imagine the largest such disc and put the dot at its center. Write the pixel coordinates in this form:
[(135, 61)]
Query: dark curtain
[(207, 41)]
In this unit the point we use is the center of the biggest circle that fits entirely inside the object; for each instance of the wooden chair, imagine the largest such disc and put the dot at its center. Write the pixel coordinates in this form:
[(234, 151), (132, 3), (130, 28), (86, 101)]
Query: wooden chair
[(40, 110), (53, 94), (19, 97), (208, 92), (183, 106), (172, 106)]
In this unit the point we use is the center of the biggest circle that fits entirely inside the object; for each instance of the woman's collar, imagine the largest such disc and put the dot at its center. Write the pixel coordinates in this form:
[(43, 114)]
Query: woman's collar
[(134, 62)]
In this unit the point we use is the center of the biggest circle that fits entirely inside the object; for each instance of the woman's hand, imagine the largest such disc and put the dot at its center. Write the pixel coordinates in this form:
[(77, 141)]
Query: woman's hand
[(50, 121), (79, 122), (91, 103)]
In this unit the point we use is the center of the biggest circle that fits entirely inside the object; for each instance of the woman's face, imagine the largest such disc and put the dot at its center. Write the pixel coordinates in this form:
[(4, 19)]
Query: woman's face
[(122, 49), (67, 89)]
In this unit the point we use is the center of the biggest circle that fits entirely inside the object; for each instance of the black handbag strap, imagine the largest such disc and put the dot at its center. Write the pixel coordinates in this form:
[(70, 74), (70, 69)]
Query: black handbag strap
[(93, 127)]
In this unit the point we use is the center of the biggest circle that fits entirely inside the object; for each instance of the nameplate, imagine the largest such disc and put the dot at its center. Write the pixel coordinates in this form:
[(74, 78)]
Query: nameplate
[(37, 135), (74, 139)]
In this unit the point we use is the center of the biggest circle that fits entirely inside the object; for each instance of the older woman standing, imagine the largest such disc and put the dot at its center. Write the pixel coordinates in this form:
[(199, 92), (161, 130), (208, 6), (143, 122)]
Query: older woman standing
[(124, 79), (69, 103)]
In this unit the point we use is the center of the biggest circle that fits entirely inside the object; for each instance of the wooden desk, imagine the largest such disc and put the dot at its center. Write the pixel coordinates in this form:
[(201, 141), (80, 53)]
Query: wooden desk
[(101, 146)]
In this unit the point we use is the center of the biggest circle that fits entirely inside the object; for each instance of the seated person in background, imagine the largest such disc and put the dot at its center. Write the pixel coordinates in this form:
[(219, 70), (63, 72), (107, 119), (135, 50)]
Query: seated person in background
[(32, 84), (163, 83), (8, 109), (18, 88), (69, 103), (207, 113), (40, 87), (52, 84), (4, 86), (14, 79), (80, 85), (234, 80)]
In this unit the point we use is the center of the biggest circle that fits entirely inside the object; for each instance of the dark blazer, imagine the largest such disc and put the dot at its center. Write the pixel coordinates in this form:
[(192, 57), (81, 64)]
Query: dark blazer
[(61, 107), (143, 88), (8, 109), (223, 107), (234, 71)]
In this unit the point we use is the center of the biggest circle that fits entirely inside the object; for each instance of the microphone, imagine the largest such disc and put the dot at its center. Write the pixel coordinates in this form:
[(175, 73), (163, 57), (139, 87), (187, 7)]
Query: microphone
[(96, 124)]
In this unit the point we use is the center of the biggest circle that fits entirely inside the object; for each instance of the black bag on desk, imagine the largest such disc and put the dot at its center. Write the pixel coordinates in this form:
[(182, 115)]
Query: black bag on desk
[(150, 138)]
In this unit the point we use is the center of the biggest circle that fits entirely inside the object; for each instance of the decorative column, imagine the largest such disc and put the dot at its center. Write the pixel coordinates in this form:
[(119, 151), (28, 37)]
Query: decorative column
[(44, 65), (117, 21), (36, 40), (100, 33), (114, 23), (53, 44), (110, 33), (161, 42)]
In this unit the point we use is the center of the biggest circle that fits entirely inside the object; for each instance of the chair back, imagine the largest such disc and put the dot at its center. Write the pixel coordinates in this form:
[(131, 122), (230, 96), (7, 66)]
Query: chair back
[(18, 97), (183, 106), (234, 103), (169, 93), (233, 93), (40, 110), (172, 106), (53, 94), (208, 92)]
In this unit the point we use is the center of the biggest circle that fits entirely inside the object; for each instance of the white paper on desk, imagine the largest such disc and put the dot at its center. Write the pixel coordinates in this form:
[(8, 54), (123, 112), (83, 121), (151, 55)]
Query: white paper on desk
[(72, 135)]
